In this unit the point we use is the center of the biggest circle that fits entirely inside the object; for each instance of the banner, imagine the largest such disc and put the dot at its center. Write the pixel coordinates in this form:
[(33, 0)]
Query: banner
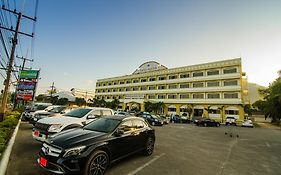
[(25, 95)]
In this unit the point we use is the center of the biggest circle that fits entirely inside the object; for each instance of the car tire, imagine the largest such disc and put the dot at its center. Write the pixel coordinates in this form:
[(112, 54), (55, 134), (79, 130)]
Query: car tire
[(149, 146), (218, 124), (97, 163), (205, 124)]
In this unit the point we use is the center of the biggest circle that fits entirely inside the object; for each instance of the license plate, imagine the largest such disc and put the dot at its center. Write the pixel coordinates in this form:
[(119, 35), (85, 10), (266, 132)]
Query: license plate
[(43, 161), (36, 133)]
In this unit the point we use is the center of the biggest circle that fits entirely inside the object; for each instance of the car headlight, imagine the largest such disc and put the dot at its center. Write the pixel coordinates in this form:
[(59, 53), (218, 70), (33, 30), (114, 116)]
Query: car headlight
[(74, 151), (54, 127), (156, 120)]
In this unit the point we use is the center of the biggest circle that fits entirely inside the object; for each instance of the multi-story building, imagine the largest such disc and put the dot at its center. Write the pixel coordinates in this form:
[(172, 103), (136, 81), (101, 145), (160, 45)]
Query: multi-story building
[(214, 90)]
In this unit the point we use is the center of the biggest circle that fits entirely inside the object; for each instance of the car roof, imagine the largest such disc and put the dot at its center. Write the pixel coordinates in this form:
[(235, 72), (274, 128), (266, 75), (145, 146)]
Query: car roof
[(122, 117)]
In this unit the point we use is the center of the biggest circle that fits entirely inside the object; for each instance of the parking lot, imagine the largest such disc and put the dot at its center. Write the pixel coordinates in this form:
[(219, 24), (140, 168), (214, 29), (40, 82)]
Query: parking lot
[(180, 149)]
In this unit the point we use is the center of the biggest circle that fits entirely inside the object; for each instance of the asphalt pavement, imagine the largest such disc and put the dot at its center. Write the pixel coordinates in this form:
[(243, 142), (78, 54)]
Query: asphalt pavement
[(181, 149)]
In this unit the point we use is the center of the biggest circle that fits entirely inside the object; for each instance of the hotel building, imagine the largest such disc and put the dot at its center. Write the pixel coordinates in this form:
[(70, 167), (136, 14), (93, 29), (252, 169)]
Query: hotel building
[(215, 90)]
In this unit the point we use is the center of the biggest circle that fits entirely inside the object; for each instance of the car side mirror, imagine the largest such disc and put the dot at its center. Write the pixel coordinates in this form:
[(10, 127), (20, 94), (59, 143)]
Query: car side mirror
[(119, 131), (91, 116)]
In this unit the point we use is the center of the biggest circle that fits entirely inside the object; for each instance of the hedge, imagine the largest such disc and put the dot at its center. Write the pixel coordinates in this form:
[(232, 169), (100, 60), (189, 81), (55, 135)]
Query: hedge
[(6, 129)]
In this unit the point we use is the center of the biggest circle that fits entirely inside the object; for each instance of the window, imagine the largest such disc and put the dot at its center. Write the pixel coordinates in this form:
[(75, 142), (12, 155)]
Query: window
[(230, 83), (151, 87), (108, 90), (173, 86), (161, 96), (213, 84), (230, 95), (161, 78), (162, 87), (139, 124), (171, 109), (135, 88), (121, 82), (213, 72), (171, 77), (135, 81), (106, 112), (214, 111), (143, 80), (104, 84), (232, 112), (109, 84), (121, 89), (184, 96), (96, 113), (198, 74), (127, 126), (184, 75), (213, 95), (151, 97), (143, 88), (128, 89), (230, 70), (199, 84), (128, 82), (172, 96), (184, 85), (152, 79), (196, 96), (114, 83)]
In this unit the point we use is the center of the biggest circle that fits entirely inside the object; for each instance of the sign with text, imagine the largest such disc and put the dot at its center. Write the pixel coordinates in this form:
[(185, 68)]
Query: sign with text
[(25, 95), (29, 74)]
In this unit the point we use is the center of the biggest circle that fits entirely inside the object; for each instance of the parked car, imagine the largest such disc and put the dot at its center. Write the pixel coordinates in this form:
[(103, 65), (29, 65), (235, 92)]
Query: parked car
[(55, 111), (91, 149), (152, 119), (230, 121), (73, 119), (31, 109), (208, 122), (247, 123), (165, 119), (175, 118), (123, 113)]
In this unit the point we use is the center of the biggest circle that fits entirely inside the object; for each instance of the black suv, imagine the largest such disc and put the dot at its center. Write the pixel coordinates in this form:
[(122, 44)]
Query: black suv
[(91, 149)]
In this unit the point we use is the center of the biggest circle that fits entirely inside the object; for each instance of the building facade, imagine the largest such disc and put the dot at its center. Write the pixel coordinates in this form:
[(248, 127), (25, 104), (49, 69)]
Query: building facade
[(215, 90)]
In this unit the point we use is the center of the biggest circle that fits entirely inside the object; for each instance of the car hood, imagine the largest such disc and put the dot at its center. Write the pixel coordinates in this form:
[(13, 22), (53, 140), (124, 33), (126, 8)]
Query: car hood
[(75, 137), (60, 120)]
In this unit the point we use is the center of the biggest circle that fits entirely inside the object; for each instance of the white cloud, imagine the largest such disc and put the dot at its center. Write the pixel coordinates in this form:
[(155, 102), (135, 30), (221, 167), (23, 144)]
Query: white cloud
[(90, 82), (65, 74)]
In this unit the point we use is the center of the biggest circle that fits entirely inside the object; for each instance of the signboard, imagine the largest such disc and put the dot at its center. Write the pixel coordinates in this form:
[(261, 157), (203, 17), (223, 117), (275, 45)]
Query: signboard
[(29, 74), (25, 95), (27, 84), (134, 96)]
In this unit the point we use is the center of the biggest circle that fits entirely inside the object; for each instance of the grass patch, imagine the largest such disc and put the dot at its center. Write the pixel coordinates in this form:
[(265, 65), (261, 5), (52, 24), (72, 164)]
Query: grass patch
[(6, 129), (256, 125)]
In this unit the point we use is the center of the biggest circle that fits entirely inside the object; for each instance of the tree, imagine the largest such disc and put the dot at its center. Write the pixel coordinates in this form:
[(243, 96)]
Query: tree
[(248, 109), (62, 101), (153, 107), (80, 101), (272, 105)]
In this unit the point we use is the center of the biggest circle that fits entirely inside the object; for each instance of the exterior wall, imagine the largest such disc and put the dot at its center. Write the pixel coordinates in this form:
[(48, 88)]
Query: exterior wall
[(217, 84)]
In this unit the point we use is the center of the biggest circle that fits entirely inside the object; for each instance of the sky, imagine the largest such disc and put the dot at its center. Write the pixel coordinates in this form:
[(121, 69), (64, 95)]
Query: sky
[(78, 42)]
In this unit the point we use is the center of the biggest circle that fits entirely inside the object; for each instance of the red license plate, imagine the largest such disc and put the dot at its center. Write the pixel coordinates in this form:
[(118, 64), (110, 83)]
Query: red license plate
[(43, 161), (36, 133)]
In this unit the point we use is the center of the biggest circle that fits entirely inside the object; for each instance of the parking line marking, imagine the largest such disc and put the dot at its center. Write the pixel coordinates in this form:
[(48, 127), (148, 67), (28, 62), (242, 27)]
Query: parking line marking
[(145, 165), (267, 144)]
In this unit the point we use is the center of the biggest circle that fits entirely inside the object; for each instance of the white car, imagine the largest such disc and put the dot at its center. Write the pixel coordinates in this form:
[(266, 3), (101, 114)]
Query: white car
[(247, 123), (76, 118)]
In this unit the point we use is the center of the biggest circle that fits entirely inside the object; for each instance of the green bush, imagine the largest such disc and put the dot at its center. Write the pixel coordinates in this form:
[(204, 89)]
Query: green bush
[(7, 128)]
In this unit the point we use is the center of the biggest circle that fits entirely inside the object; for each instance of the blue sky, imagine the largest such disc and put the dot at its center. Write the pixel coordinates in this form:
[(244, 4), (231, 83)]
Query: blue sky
[(78, 42)]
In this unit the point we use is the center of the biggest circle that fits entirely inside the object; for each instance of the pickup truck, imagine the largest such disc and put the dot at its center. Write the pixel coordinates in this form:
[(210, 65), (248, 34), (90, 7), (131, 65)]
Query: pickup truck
[(76, 118)]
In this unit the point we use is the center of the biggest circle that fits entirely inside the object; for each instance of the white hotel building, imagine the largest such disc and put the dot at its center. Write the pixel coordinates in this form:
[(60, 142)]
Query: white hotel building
[(215, 90)]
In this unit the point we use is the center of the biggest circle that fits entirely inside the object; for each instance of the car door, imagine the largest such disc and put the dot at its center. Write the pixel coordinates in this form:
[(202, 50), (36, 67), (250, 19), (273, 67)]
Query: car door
[(125, 143), (140, 133)]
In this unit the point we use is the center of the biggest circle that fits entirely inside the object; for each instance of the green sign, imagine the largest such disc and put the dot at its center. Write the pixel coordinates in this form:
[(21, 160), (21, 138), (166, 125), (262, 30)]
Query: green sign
[(29, 74)]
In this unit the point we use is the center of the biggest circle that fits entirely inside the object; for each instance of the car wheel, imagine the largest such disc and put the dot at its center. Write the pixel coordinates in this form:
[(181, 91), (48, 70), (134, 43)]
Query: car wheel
[(205, 124), (218, 124), (97, 163), (149, 146), (153, 123)]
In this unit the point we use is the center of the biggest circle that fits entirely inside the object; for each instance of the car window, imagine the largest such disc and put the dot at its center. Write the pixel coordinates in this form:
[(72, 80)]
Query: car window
[(106, 112), (139, 124), (103, 125), (78, 113), (96, 113), (127, 126)]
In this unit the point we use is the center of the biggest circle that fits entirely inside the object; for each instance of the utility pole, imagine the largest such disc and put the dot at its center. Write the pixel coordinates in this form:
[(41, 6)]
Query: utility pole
[(11, 59), (52, 90)]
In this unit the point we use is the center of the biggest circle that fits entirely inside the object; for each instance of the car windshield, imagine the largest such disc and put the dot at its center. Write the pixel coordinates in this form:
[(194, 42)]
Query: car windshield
[(78, 113), (49, 108), (155, 117), (106, 125), (57, 109)]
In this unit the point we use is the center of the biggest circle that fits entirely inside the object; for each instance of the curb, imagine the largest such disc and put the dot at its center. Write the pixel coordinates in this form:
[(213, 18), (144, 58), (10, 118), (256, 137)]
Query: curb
[(6, 155)]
